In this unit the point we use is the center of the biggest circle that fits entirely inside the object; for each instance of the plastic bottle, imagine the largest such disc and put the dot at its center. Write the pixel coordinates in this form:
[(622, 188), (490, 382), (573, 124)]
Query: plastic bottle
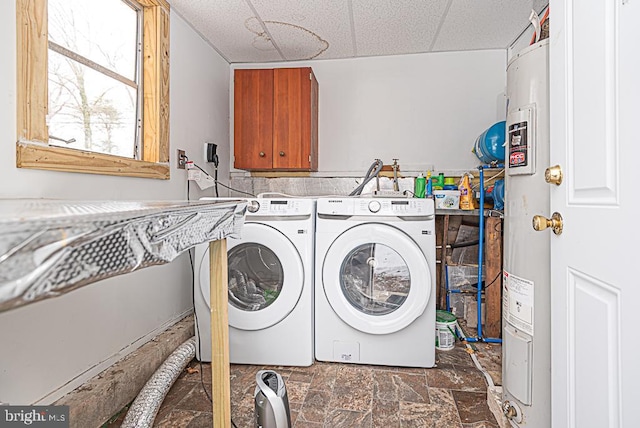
[(466, 194), (419, 186), (438, 182), (429, 191)]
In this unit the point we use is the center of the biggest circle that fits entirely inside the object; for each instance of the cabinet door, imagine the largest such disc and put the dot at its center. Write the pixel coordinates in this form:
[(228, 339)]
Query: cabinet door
[(295, 136), (253, 119)]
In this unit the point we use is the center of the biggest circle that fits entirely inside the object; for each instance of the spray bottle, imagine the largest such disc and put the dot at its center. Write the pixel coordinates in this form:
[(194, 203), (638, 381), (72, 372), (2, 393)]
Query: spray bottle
[(429, 185)]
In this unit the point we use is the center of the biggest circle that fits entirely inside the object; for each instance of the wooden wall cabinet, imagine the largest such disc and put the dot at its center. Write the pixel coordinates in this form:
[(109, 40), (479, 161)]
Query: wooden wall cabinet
[(276, 119)]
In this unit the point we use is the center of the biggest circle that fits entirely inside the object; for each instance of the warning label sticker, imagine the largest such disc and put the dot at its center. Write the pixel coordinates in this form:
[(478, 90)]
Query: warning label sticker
[(518, 145), (517, 302)]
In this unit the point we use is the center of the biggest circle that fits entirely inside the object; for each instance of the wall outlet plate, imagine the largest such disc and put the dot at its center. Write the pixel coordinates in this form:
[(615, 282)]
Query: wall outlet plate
[(182, 159)]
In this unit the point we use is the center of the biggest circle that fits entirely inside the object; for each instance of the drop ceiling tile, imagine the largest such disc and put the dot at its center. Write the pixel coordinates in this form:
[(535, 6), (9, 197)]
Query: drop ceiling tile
[(388, 27), (487, 24), (230, 26), (308, 29), (326, 29)]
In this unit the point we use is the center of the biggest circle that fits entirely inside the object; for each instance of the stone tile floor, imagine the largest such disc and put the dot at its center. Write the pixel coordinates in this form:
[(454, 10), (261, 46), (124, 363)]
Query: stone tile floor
[(332, 395)]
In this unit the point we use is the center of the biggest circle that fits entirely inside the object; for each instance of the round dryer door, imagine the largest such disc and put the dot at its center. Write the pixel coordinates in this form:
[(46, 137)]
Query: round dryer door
[(376, 278), (265, 276)]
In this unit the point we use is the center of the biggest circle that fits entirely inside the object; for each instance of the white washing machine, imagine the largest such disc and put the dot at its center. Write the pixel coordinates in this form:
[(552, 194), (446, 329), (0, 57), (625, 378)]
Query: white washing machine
[(375, 281), (270, 286)]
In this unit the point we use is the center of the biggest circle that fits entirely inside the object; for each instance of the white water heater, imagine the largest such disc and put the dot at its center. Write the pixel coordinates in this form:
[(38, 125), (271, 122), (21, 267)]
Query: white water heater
[(526, 350)]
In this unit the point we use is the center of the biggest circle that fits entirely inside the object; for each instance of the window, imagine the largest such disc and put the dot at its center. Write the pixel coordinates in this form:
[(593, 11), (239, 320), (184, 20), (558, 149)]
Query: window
[(90, 100), (93, 75)]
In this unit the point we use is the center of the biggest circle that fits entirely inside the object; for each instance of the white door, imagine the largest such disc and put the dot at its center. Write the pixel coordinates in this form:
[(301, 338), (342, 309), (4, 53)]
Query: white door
[(376, 278), (595, 264)]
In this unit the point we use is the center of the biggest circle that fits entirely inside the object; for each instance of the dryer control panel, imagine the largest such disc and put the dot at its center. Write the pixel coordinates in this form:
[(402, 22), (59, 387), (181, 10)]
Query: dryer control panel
[(279, 207)]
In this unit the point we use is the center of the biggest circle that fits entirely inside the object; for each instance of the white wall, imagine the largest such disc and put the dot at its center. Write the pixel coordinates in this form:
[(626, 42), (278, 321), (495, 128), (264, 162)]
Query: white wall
[(47, 344), (424, 109)]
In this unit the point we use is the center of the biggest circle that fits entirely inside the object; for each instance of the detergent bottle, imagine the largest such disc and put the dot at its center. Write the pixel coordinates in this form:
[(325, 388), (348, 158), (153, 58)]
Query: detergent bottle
[(438, 182), (419, 186), (466, 193)]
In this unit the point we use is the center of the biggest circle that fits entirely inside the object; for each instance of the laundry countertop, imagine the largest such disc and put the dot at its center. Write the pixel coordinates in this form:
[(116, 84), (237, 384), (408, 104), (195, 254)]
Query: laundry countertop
[(51, 247)]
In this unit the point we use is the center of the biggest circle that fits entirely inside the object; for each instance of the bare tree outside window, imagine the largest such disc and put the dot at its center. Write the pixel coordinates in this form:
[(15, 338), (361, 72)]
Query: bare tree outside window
[(93, 72)]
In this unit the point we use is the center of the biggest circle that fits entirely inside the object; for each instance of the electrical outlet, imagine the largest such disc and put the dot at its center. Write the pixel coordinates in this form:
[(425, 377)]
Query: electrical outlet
[(182, 159)]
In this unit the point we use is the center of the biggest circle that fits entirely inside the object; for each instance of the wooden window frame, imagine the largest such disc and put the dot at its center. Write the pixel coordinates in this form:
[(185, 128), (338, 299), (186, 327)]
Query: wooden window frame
[(32, 148)]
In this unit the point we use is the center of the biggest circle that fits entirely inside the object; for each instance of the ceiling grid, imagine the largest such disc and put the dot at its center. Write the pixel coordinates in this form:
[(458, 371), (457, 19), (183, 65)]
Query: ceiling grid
[(253, 31)]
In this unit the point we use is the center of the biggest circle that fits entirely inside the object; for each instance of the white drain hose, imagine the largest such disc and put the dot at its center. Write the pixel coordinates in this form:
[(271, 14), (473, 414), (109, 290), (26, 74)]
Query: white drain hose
[(145, 407), (486, 374)]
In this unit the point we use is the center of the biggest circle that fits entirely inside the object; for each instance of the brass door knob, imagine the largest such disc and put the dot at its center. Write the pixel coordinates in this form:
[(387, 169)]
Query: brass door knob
[(555, 223), (281, 153), (261, 154), (553, 175)]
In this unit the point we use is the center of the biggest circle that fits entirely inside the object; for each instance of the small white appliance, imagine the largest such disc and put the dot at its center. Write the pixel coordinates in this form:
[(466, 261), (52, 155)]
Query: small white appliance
[(375, 281), (270, 401), (270, 286)]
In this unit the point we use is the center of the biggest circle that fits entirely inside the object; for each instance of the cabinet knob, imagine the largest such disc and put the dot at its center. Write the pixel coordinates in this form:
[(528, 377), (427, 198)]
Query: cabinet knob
[(281, 153), (261, 154)]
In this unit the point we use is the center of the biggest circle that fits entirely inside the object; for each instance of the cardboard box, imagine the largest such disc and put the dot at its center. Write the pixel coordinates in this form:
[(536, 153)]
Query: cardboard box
[(447, 199)]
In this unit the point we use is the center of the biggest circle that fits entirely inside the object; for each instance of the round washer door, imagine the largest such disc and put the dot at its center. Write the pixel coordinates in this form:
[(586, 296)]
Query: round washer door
[(265, 274), (376, 279)]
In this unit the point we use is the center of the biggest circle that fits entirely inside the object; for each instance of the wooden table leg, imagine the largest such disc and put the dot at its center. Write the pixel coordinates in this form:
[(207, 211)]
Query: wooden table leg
[(493, 277), (221, 391), (443, 264)]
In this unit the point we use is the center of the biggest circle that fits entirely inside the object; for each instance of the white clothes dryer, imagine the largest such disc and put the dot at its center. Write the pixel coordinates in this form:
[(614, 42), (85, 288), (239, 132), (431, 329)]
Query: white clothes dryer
[(270, 286), (375, 281)]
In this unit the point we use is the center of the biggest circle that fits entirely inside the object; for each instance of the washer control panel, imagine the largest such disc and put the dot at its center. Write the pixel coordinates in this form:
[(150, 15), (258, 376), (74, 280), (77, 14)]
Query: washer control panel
[(374, 206), (390, 207)]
